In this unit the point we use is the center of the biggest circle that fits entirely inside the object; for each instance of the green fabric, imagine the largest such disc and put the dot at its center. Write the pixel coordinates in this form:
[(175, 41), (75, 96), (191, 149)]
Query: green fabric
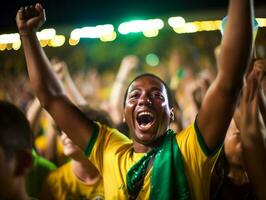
[(202, 144), (40, 169), (135, 176), (207, 151), (92, 140), (168, 179)]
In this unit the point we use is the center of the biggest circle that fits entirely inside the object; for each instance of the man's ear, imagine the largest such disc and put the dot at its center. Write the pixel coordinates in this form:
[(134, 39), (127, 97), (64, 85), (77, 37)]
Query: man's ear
[(24, 162), (123, 117), (172, 115)]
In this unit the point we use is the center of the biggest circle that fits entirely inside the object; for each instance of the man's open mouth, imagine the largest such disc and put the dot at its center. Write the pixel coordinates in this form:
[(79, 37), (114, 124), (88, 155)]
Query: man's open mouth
[(145, 119)]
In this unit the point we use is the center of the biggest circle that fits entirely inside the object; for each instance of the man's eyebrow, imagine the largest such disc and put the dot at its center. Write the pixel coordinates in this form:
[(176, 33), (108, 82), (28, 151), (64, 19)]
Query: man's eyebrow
[(157, 88), (132, 89)]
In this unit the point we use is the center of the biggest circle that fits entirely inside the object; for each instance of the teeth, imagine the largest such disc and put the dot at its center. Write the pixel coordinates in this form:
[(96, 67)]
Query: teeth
[(145, 113)]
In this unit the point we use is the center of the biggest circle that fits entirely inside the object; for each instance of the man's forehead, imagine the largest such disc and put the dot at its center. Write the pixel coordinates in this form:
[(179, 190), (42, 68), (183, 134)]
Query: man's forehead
[(147, 81), (149, 88)]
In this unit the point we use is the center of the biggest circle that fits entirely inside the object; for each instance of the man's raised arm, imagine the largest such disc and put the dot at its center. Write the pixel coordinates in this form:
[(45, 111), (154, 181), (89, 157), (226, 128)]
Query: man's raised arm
[(44, 82), (236, 50)]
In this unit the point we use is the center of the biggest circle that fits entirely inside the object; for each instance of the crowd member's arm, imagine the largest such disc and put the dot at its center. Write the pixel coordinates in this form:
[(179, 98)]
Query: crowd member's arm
[(82, 168), (34, 114), (51, 141), (219, 102), (254, 150), (260, 69), (44, 82), (116, 98), (61, 69)]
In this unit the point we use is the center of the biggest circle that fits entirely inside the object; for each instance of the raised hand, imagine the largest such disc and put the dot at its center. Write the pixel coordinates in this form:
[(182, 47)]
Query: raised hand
[(249, 123), (128, 63), (30, 18), (70, 149), (60, 68), (260, 65)]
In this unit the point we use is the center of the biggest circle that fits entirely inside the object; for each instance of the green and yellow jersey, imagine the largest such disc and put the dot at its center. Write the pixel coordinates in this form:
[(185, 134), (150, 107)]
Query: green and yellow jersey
[(113, 155)]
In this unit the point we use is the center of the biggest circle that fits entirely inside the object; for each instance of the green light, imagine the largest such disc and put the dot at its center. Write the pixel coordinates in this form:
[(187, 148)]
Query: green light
[(152, 60)]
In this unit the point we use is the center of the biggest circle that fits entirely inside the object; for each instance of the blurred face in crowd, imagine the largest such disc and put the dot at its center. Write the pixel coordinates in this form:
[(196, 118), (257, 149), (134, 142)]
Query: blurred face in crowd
[(147, 111), (233, 145)]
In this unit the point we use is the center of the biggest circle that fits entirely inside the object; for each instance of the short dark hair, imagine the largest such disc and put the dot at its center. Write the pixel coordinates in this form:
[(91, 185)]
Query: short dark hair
[(97, 115), (15, 131), (168, 91)]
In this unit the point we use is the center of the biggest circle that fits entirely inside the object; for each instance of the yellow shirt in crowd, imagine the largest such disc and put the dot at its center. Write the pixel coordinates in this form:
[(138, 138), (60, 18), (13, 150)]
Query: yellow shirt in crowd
[(62, 184)]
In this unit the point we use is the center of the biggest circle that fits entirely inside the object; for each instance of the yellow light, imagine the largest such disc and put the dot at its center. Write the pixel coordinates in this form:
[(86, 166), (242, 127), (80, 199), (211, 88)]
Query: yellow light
[(73, 42), (9, 38), (176, 22), (44, 43), (261, 22), (151, 33), (103, 30), (46, 34), (207, 25), (9, 46), (191, 27), (57, 41), (75, 34), (92, 31), (217, 24), (2, 46), (16, 45), (187, 28), (197, 26), (108, 38)]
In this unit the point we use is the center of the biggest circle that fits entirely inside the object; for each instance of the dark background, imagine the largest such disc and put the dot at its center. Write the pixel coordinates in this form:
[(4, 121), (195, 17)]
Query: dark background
[(65, 15), (75, 12)]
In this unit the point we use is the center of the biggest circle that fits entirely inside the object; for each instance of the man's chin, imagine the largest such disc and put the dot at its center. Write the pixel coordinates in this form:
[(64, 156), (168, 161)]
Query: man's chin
[(147, 140)]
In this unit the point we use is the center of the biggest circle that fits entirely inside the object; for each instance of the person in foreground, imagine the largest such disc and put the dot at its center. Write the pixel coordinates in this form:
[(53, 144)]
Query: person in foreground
[(16, 140), (156, 163)]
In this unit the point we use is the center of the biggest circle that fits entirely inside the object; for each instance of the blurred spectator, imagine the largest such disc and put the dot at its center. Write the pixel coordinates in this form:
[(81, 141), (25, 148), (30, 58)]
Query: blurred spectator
[(15, 152)]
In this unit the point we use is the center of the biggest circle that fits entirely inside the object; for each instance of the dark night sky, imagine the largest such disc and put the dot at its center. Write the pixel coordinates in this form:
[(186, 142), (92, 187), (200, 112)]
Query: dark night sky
[(66, 12)]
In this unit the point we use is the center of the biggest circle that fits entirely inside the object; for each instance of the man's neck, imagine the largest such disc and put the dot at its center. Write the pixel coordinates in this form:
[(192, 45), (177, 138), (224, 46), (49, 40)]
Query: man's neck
[(144, 148)]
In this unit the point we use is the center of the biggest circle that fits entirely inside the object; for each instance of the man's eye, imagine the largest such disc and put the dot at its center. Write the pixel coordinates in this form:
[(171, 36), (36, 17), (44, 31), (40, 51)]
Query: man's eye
[(134, 95), (157, 95)]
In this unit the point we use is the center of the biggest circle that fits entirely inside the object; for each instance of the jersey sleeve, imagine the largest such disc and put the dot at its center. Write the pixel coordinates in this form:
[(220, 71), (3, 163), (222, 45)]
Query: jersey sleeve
[(105, 142)]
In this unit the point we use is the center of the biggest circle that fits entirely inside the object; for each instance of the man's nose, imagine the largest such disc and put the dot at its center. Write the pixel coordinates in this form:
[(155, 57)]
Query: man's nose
[(144, 100)]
